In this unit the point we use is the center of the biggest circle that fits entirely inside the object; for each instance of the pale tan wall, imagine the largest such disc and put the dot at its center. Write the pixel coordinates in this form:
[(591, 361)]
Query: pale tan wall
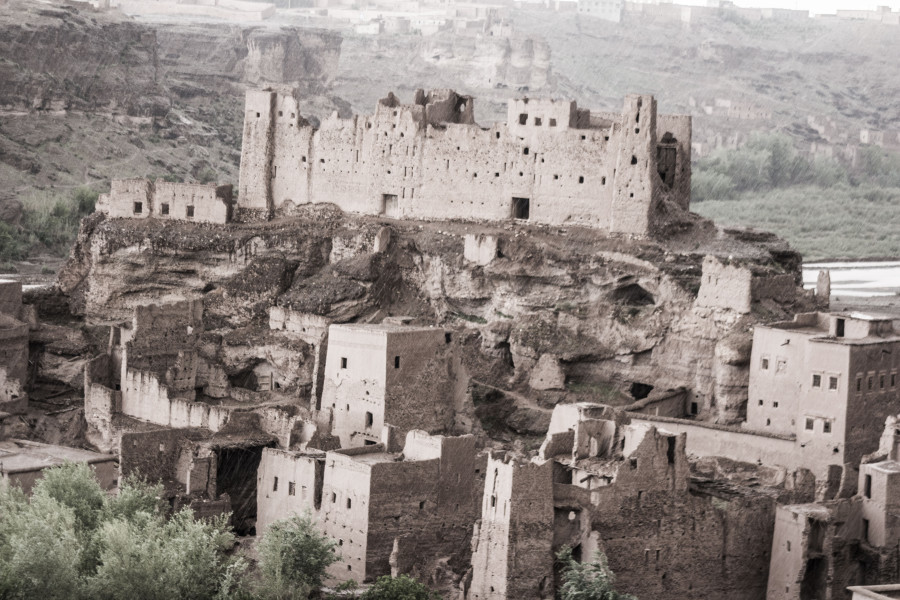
[(455, 170), (780, 383), (346, 479), (724, 286), (491, 551), (787, 565), (207, 201), (273, 504), (360, 388), (256, 150), (123, 195)]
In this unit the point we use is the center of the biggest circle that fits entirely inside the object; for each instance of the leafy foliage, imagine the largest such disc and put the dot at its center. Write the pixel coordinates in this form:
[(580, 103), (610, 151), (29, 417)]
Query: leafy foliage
[(71, 540), (826, 210), (48, 222), (587, 581), (398, 588), (293, 558)]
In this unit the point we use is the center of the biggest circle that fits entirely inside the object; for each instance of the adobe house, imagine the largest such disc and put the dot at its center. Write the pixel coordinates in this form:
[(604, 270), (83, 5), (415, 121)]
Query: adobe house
[(389, 511), (389, 373), (829, 379)]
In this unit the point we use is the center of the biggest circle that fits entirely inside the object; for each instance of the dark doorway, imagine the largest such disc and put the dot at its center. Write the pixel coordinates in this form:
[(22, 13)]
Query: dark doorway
[(521, 208), (813, 586), (840, 328), (236, 476)]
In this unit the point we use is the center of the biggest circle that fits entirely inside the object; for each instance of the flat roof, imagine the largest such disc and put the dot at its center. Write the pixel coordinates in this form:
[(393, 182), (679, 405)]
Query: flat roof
[(887, 466), (19, 456), (385, 327), (878, 592)]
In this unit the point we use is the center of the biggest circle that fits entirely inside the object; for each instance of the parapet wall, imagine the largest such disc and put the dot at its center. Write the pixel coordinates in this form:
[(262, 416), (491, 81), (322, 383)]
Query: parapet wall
[(551, 163), (142, 199)]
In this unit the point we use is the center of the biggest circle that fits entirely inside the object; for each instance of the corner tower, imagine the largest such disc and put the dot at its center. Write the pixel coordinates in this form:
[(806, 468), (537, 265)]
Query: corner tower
[(257, 151), (636, 179)]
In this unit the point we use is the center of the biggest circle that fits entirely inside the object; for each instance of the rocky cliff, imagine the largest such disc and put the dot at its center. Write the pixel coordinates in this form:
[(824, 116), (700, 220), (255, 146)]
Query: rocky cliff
[(553, 315), (88, 96)]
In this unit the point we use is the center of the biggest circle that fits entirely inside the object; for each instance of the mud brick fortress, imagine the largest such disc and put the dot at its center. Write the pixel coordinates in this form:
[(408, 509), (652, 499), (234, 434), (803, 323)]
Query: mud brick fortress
[(551, 162)]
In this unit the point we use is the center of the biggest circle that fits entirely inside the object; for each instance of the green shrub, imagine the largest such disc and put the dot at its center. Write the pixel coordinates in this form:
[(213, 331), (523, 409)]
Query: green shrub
[(587, 581), (293, 558), (402, 587)]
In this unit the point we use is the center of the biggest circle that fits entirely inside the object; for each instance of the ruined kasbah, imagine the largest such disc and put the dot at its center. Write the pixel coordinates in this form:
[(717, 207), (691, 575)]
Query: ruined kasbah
[(461, 349)]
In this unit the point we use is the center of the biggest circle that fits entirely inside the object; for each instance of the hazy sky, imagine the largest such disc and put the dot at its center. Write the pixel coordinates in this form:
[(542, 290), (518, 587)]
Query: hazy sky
[(814, 6)]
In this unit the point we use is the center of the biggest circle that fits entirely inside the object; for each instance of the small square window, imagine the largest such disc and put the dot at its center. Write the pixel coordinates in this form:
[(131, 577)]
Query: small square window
[(523, 119), (138, 208), (525, 151), (775, 405), (760, 402), (764, 364), (537, 121), (189, 211), (164, 209), (810, 423), (552, 122), (817, 381), (832, 383), (292, 488), (826, 427), (343, 362)]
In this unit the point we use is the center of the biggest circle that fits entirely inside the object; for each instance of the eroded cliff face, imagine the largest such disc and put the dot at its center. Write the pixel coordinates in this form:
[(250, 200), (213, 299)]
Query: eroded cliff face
[(86, 97), (559, 315)]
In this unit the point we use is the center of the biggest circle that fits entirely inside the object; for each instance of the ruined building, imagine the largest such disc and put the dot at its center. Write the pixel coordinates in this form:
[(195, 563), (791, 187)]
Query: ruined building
[(391, 508), (551, 162)]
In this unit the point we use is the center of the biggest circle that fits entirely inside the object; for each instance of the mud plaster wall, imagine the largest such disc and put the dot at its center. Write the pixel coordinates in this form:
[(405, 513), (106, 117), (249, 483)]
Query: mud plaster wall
[(14, 347), (512, 555), (393, 163), (882, 506), (724, 286), (278, 501), (11, 298), (142, 198), (345, 513), (868, 408), (730, 442), (154, 454)]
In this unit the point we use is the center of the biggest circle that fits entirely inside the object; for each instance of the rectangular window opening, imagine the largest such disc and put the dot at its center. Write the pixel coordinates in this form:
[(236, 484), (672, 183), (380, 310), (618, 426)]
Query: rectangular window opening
[(832, 383), (839, 329), (867, 488), (164, 209), (521, 208), (292, 488), (275, 484), (817, 381), (810, 424), (552, 122), (826, 427), (189, 211), (396, 362), (370, 419), (523, 119), (343, 362), (138, 208)]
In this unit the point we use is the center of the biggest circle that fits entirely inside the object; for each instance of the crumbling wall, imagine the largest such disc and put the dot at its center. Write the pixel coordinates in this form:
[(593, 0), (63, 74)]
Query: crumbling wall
[(14, 337), (725, 286), (512, 555), (155, 454), (430, 161), (11, 298)]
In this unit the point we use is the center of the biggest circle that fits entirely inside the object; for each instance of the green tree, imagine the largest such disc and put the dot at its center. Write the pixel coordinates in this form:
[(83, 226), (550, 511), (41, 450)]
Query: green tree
[(587, 581), (398, 588), (293, 558)]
